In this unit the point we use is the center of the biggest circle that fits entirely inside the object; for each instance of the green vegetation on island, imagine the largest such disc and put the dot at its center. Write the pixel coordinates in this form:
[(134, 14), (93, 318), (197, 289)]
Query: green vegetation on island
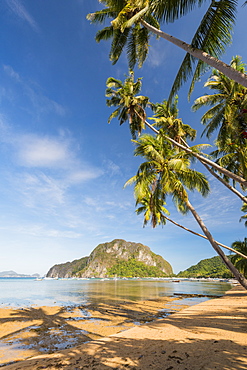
[(207, 268), (134, 268)]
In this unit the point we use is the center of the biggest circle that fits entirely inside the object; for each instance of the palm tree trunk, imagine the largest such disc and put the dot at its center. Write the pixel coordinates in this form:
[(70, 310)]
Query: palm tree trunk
[(228, 71), (225, 172), (241, 279), (203, 236), (235, 191)]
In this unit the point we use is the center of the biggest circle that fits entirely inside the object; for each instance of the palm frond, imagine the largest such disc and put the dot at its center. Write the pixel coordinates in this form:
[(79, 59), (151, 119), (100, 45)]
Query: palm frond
[(170, 10), (104, 34)]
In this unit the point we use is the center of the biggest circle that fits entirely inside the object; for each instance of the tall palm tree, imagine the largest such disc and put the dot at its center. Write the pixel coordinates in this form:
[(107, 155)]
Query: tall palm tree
[(208, 43), (166, 118), (227, 116), (238, 261), (131, 108), (166, 172)]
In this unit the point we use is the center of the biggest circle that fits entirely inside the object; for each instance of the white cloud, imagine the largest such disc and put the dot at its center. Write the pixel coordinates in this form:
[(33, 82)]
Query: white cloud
[(18, 9), (47, 152), (47, 169)]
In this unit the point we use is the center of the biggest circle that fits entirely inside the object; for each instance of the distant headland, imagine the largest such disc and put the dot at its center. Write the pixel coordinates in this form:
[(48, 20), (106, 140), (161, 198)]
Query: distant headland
[(13, 274)]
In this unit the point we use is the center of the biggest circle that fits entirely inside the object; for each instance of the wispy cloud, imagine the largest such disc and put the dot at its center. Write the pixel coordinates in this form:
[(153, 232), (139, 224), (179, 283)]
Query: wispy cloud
[(10, 71), (18, 9), (39, 230), (39, 101), (157, 54)]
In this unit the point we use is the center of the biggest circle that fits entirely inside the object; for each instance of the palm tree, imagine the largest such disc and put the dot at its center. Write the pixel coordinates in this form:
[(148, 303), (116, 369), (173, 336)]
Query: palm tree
[(155, 212), (239, 262), (134, 39), (166, 119), (166, 172), (131, 108), (228, 103), (227, 116), (131, 16), (244, 209)]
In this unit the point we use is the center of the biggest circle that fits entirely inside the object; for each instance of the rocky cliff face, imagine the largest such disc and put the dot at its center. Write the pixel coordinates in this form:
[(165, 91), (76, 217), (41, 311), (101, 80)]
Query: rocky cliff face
[(107, 255), (68, 269)]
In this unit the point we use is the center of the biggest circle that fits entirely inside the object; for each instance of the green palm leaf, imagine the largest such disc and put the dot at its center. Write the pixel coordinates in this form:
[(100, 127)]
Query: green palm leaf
[(212, 36)]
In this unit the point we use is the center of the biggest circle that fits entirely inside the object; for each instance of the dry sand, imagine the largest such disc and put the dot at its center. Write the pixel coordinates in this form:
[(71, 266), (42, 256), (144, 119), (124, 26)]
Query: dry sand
[(210, 335)]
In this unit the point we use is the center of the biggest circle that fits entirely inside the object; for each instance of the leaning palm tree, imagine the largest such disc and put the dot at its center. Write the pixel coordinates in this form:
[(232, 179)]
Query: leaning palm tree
[(238, 261), (167, 172), (131, 108), (208, 43), (155, 212)]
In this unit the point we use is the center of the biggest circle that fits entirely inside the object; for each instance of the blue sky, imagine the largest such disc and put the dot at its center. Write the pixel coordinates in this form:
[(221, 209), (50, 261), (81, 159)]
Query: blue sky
[(62, 167)]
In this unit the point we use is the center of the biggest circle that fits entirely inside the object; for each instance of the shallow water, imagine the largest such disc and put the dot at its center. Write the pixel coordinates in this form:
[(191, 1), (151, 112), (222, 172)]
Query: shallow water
[(27, 292)]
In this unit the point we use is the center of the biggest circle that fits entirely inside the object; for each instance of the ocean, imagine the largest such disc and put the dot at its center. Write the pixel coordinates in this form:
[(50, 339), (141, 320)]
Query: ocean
[(25, 292)]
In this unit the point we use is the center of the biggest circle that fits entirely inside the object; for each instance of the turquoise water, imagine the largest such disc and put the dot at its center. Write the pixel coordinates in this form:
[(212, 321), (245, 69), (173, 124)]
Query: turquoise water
[(27, 292)]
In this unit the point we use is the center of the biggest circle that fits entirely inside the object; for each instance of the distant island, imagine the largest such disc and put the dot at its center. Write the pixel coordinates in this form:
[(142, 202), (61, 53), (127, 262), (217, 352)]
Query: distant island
[(207, 268), (13, 274), (116, 258), (128, 259)]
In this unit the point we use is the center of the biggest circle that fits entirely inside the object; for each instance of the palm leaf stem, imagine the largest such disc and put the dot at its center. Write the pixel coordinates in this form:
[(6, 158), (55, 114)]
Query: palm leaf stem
[(203, 236), (228, 71), (241, 279)]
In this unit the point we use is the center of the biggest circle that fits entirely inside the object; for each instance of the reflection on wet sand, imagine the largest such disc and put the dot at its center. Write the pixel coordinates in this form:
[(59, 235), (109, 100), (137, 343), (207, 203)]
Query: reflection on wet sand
[(31, 331)]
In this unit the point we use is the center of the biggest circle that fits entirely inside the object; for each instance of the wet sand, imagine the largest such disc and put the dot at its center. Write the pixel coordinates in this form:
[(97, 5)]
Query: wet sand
[(27, 332), (210, 335)]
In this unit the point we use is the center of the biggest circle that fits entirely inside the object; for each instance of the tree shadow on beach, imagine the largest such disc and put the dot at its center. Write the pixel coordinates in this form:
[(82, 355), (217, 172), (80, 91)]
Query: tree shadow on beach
[(227, 318), (33, 330), (145, 354)]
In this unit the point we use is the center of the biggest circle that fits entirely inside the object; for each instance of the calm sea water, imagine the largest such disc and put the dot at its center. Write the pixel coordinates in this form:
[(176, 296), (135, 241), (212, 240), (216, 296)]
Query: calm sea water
[(27, 292)]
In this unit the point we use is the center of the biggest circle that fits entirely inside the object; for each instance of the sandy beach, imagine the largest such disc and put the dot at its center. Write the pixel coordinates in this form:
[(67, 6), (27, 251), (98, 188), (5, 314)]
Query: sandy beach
[(209, 335)]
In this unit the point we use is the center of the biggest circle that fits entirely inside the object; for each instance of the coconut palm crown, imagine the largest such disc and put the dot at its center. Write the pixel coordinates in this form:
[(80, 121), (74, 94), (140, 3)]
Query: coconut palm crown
[(166, 172), (130, 106), (166, 119), (239, 262), (132, 22), (227, 117)]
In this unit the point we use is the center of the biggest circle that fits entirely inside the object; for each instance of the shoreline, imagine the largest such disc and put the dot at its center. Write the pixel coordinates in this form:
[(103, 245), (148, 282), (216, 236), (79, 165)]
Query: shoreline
[(209, 335)]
